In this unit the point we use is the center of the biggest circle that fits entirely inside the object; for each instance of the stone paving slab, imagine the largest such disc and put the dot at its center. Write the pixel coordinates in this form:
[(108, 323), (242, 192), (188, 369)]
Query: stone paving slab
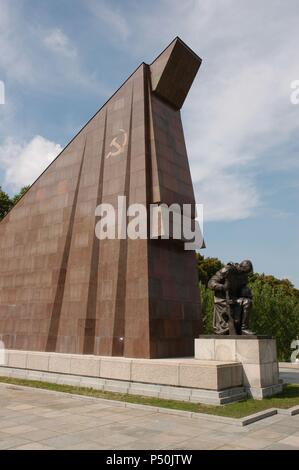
[(42, 420)]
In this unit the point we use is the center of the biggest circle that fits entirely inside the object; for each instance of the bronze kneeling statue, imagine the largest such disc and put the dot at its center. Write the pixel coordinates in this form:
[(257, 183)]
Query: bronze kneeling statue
[(232, 299)]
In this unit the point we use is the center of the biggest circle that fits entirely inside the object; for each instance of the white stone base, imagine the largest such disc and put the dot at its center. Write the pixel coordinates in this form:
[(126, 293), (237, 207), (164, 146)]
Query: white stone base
[(193, 395), (257, 355), (249, 366), (264, 392), (180, 379), (209, 375)]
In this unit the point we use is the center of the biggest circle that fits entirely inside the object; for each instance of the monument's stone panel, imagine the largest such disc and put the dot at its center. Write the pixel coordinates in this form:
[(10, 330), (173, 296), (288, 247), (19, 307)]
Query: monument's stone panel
[(64, 290)]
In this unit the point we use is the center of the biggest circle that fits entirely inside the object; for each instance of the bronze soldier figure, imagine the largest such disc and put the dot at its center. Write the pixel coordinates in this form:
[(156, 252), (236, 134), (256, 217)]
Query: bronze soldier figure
[(232, 299)]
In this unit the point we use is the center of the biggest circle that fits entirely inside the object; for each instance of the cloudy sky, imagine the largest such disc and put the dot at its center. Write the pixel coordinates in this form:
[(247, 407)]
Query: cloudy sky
[(61, 59)]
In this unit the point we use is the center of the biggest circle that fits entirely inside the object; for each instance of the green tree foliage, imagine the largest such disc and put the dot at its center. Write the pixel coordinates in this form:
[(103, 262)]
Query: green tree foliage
[(275, 312), (6, 203), (207, 267), (207, 303), (275, 307), (18, 196), (285, 284)]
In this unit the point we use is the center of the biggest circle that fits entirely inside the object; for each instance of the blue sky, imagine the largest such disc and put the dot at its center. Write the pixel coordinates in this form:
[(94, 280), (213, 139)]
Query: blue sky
[(61, 60)]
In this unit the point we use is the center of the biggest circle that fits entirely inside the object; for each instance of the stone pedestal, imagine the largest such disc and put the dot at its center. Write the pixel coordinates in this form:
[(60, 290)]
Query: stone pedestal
[(258, 357), (186, 379)]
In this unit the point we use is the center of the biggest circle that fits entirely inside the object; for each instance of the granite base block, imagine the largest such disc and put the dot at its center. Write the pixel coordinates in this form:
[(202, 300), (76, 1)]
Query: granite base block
[(212, 397), (185, 379), (256, 354), (180, 372)]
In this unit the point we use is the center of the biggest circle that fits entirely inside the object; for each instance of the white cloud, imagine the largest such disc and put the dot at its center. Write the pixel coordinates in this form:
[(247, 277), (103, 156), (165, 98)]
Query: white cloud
[(57, 41), (13, 60), (238, 119), (25, 57), (226, 196), (111, 18), (23, 163)]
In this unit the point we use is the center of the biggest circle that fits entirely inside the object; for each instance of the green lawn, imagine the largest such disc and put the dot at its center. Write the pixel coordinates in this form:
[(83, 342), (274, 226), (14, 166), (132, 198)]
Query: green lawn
[(288, 398)]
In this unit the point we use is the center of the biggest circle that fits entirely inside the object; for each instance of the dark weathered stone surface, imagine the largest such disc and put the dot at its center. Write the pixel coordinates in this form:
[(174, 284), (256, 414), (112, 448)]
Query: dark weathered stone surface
[(63, 290)]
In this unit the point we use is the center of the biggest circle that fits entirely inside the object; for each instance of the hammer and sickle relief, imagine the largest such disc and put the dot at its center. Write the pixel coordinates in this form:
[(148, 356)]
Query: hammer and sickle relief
[(118, 148)]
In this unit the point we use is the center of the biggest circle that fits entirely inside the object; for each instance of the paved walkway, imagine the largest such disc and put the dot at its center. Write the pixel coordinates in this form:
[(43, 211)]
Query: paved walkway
[(34, 419), (288, 375)]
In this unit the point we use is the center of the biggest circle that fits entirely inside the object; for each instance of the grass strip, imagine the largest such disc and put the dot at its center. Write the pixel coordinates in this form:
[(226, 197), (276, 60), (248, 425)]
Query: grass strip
[(288, 398)]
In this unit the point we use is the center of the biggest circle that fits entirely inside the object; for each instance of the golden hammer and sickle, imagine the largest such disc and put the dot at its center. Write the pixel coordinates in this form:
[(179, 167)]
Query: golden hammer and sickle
[(119, 147)]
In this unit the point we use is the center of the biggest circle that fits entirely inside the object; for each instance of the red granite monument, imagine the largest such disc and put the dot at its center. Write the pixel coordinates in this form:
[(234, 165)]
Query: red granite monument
[(64, 290)]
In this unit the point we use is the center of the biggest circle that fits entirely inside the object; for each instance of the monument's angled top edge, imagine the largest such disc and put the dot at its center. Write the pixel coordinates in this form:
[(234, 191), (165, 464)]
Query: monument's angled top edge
[(177, 39), (173, 72)]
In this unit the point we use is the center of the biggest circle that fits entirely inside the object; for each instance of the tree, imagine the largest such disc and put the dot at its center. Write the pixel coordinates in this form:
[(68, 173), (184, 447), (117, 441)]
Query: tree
[(5, 203), (207, 267), (285, 284), (275, 312), (18, 196), (207, 307)]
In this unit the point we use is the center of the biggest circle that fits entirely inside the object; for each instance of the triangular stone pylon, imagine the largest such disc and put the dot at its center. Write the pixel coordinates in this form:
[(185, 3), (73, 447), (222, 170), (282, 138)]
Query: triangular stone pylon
[(64, 290)]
